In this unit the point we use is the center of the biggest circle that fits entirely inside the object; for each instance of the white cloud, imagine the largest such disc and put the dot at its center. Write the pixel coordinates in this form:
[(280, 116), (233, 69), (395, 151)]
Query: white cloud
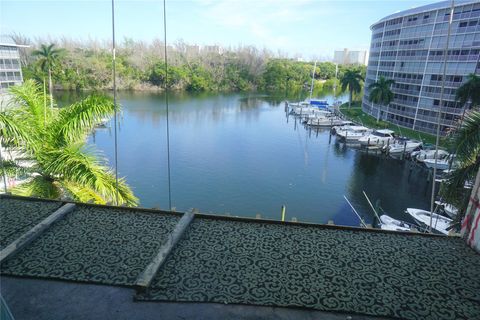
[(260, 19)]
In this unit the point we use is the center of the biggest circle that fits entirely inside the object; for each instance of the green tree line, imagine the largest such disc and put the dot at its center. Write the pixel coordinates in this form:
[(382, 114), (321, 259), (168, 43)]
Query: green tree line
[(141, 66)]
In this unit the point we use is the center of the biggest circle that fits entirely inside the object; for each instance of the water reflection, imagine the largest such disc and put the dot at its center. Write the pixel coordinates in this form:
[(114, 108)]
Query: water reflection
[(242, 154)]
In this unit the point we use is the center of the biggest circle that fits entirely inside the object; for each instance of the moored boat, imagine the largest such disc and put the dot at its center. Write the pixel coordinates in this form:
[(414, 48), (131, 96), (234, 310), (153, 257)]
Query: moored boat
[(389, 223), (441, 164), (439, 223), (352, 133), (423, 155), (403, 145), (324, 121), (449, 209), (378, 138)]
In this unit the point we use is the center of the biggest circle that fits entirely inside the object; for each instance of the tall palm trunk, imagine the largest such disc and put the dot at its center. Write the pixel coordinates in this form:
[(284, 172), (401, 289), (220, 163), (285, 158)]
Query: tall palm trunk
[(50, 87), (350, 99), (378, 113)]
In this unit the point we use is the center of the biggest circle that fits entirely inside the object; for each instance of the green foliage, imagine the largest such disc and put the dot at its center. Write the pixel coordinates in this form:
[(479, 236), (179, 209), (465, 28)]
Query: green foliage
[(83, 67), (282, 74), (380, 91), (351, 79), (158, 72), (199, 79), (48, 56), (466, 140), (54, 140), (469, 91), (325, 70)]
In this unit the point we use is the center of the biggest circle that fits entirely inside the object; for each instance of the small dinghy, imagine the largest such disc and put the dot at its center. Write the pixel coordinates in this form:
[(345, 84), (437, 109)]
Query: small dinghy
[(389, 223)]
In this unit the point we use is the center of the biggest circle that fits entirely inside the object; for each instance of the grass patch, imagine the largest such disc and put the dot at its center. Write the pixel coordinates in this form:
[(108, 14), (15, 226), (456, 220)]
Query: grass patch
[(356, 114)]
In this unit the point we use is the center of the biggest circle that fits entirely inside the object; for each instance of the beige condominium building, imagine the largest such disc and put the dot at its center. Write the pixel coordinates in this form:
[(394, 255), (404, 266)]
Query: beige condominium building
[(409, 47), (10, 68)]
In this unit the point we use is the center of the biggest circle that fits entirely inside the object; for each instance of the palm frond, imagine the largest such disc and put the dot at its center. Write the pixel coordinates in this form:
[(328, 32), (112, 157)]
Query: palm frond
[(13, 131), (467, 137), (12, 169), (469, 91), (467, 142), (29, 101), (380, 91), (39, 186), (78, 120), (48, 56), (81, 165), (81, 193)]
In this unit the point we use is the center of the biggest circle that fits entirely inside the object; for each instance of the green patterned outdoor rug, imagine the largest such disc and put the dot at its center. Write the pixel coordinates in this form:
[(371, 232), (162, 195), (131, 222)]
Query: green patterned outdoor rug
[(94, 244), (383, 274), (19, 216)]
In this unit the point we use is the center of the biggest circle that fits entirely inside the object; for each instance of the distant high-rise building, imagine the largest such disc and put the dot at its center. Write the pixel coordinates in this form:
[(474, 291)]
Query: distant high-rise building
[(212, 49), (10, 69), (192, 50), (409, 47), (347, 56)]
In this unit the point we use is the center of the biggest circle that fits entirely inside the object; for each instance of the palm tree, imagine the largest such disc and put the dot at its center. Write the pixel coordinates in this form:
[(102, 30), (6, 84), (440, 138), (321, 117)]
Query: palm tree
[(380, 93), (48, 57), (352, 78), (469, 91), (53, 141), (467, 142)]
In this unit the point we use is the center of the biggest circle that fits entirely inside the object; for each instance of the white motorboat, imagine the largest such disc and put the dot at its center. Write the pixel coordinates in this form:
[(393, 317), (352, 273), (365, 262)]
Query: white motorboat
[(423, 155), (449, 209), (318, 114), (378, 138), (389, 223), (342, 126), (441, 164), (352, 133), (324, 121), (439, 223), (303, 110), (403, 145)]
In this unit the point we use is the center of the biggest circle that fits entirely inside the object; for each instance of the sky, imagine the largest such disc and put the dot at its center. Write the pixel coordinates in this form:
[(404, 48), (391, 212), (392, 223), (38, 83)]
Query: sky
[(310, 29)]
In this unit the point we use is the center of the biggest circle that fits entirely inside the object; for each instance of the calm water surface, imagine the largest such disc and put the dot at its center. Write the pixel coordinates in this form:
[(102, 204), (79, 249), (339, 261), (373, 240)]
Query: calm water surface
[(240, 154)]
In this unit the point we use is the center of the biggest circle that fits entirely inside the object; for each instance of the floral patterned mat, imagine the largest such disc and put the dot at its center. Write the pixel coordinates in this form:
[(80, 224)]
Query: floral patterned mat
[(245, 262), (410, 277), (19, 216), (92, 244)]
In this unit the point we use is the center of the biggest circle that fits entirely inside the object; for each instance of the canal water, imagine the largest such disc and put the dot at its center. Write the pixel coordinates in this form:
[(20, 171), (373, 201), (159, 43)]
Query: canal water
[(240, 154)]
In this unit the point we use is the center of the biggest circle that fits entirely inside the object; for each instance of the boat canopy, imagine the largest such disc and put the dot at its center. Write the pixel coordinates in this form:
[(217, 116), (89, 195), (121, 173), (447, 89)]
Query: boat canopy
[(319, 103)]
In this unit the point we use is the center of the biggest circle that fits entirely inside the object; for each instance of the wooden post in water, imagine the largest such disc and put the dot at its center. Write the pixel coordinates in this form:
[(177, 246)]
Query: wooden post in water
[(283, 213), (404, 150)]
